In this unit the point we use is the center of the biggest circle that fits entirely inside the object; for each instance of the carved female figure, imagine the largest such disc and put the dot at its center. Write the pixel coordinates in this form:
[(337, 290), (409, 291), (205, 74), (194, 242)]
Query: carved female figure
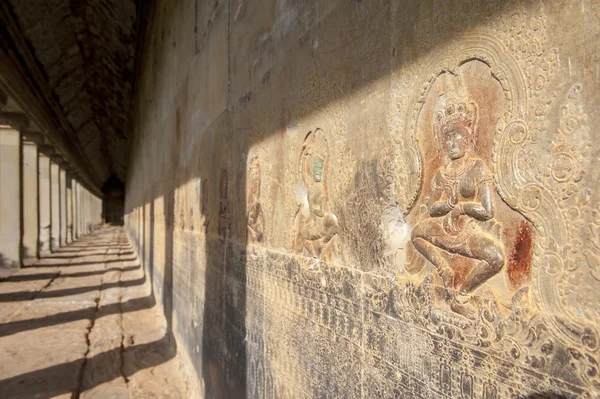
[(316, 227), (461, 203), (224, 219), (254, 214)]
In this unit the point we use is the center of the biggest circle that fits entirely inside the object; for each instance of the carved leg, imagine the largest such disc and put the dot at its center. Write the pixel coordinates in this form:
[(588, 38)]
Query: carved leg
[(434, 255), (414, 261), (491, 255)]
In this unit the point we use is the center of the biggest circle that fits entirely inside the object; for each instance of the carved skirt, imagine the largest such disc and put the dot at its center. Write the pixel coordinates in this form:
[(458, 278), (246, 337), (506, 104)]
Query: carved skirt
[(452, 235)]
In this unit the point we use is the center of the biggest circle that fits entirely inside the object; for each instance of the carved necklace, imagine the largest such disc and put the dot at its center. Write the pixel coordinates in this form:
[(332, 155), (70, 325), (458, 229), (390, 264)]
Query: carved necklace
[(457, 172)]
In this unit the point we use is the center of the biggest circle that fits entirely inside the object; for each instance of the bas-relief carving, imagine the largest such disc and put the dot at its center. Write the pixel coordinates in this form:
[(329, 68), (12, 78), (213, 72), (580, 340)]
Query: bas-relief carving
[(315, 226), (460, 208), (492, 228), (224, 217), (202, 196), (194, 206), (254, 213), (537, 245), (190, 211), (181, 198)]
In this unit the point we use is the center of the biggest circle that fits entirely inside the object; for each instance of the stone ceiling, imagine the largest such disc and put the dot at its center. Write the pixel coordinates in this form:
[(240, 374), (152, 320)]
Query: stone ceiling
[(80, 54)]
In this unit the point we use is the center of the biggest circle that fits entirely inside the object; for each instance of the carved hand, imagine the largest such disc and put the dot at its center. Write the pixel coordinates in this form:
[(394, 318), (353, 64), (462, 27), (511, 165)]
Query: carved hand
[(455, 218), (453, 195)]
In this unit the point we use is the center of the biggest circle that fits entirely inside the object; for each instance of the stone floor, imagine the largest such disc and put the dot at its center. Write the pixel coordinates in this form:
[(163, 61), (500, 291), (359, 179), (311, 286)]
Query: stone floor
[(83, 323)]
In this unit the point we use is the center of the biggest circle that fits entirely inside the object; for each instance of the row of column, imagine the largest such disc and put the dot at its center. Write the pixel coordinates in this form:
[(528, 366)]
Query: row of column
[(42, 205)]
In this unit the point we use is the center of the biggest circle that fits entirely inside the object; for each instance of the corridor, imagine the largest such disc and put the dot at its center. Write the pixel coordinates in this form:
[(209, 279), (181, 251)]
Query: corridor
[(300, 199), (83, 323)]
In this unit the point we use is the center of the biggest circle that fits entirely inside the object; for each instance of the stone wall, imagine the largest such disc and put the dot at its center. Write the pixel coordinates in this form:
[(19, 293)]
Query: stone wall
[(372, 199)]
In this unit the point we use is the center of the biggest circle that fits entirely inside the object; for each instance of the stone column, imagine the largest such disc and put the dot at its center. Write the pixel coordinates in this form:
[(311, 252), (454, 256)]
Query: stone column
[(79, 212), (88, 223), (74, 199), (83, 212), (62, 181), (82, 209), (99, 211), (92, 212), (54, 205), (96, 215), (99, 220), (69, 208), (87, 212), (95, 222), (31, 224), (44, 199), (10, 197)]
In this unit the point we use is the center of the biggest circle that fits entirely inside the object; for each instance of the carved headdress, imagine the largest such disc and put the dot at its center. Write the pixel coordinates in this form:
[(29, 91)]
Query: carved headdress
[(454, 110), (253, 181), (314, 158)]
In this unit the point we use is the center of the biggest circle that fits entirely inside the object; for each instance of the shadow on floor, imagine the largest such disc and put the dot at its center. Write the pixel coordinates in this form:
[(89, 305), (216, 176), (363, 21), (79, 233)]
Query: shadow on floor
[(77, 254), (132, 305), (89, 263), (46, 276), (29, 295), (53, 381)]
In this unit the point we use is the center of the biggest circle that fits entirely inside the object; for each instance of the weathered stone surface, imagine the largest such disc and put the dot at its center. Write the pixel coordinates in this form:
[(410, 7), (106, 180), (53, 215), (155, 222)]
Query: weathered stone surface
[(373, 199)]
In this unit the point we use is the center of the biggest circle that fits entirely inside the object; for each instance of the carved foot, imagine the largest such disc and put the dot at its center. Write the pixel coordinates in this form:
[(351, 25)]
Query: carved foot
[(463, 305)]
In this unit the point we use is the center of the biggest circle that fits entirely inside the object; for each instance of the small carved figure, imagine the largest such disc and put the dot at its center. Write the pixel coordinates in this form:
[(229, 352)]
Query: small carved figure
[(193, 203), (254, 215), (316, 227), (461, 203), (181, 200), (203, 194), (223, 225)]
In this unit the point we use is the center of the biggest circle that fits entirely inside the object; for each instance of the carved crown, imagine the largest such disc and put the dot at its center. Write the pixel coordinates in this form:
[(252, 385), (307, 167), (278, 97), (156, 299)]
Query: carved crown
[(314, 157), (454, 108)]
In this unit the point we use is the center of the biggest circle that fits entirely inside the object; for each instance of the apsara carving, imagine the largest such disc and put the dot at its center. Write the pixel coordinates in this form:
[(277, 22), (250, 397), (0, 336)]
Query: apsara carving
[(316, 227)]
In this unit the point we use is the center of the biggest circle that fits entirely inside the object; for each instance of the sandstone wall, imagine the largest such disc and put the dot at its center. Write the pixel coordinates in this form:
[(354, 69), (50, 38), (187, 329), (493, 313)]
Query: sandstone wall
[(374, 199)]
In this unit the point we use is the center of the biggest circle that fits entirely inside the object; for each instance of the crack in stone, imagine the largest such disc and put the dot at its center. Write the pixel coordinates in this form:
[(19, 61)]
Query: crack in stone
[(48, 284), (33, 298), (122, 352), (90, 327)]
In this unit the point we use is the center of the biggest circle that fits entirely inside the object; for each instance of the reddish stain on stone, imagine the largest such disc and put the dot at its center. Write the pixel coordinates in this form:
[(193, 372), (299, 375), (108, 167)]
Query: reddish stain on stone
[(519, 266)]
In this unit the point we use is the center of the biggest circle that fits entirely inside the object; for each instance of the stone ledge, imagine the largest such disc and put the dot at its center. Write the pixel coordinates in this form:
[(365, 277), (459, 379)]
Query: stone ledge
[(14, 119)]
